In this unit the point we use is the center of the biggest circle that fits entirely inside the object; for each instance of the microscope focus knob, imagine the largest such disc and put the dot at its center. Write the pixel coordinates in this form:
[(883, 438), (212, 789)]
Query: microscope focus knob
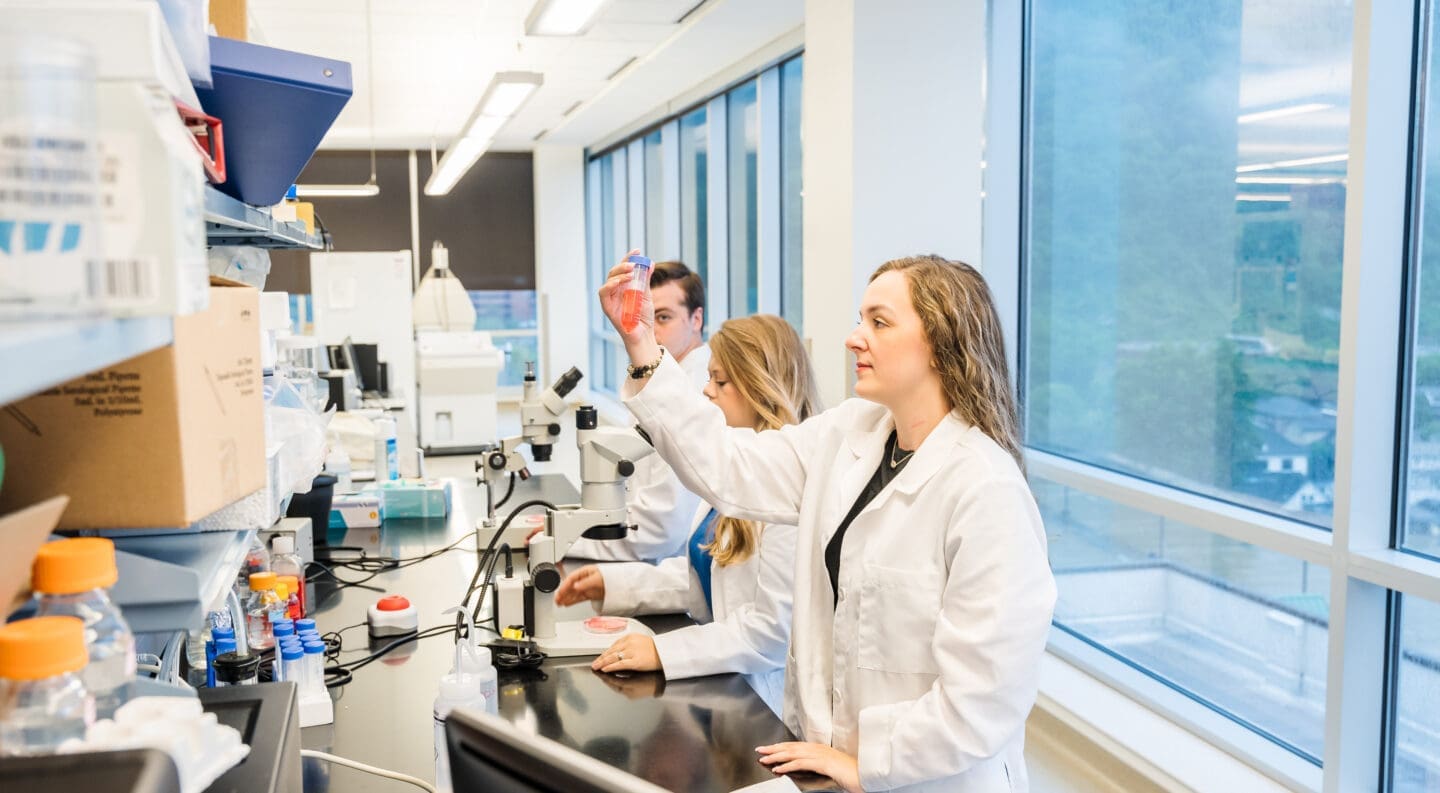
[(625, 467), (546, 577), (554, 429), (496, 461)]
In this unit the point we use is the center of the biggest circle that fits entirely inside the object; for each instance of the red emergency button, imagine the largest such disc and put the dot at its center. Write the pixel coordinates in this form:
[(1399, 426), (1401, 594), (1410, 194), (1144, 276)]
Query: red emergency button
[(392, 603)]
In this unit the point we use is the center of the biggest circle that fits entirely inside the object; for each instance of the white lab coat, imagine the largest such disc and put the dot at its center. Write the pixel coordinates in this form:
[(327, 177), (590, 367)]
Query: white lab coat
[(928, 665), (660, 507), (748, 629)]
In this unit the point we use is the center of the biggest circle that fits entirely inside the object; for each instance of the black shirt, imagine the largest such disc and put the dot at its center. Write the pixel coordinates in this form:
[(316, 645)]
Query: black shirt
[(882, 477)]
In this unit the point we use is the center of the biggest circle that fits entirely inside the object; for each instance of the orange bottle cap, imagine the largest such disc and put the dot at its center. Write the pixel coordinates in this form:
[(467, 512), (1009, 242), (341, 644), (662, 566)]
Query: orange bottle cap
[(66, 567), (42, 647), (291, 582), (260, 582)]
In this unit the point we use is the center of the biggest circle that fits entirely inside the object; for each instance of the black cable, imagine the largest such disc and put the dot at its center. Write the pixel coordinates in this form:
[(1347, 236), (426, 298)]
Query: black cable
[(490, 548), (340, 674), (508, 490)]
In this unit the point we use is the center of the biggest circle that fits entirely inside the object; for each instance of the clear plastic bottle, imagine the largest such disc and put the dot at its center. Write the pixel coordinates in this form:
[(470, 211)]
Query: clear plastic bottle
[(285, 562), (315, 670), (257, 560), (42, 701), (292, 664), (635, 289), (258, 634), (387, 456), (458, 689), (72, 578), (477, 663)]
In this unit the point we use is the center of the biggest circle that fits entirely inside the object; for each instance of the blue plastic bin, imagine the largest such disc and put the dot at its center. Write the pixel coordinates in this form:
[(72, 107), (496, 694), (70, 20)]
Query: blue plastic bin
[(275, 105)]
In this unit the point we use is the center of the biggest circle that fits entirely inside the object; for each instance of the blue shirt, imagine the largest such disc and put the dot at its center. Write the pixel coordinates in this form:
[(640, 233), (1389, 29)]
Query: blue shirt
[(700, 558)]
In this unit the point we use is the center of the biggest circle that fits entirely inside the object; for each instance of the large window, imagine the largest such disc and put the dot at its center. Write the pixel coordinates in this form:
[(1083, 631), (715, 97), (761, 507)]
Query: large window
[(743, 139), (719, 185), (655, 236), (1422, 483), (694, 184), (1416, 754), (1184, 213), (792, 284)]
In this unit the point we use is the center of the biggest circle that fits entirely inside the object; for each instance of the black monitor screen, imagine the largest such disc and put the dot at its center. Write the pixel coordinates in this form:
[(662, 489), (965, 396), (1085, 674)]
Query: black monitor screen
[(488, 755)]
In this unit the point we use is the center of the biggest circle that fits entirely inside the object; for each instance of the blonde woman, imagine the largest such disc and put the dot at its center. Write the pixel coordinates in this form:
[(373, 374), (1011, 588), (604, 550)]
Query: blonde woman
[(735, 576), (922, 594)]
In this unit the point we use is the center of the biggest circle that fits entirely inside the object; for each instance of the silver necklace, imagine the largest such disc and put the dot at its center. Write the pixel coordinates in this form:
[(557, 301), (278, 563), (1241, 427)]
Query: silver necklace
[(894, 462)]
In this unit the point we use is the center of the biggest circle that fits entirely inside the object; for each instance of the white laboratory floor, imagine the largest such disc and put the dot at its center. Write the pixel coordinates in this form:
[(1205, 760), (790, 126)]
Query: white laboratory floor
[(1059, 761)]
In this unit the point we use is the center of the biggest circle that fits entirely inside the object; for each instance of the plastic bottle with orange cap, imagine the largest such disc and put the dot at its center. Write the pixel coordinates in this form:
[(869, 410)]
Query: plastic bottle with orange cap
[(72, 578), (43, 702), (258, 633)]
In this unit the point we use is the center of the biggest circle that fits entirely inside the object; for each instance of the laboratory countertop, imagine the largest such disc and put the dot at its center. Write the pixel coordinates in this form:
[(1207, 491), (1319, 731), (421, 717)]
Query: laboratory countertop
[(696, 735)]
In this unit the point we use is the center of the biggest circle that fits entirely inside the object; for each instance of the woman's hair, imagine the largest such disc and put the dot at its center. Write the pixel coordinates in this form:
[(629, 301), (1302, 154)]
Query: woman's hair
[(766, 362), (965, 336)]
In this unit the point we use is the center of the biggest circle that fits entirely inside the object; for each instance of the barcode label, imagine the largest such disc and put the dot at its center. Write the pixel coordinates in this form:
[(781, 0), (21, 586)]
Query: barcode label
[(124, 280)]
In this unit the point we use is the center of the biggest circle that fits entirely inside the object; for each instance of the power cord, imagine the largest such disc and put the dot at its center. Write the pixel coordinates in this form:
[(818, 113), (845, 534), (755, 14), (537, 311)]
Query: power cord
[(369, 769)]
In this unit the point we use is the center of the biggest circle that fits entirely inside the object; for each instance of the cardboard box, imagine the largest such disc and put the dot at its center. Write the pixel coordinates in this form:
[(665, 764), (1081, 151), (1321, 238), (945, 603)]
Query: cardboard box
[(160, 440), (230, 18), (21, 536)]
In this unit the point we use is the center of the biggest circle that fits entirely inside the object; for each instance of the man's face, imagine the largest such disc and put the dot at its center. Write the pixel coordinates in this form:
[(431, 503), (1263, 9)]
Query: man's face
[(677, 329)]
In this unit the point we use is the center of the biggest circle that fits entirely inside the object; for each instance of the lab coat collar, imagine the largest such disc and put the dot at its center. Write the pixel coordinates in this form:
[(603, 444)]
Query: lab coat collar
[(864, 438)]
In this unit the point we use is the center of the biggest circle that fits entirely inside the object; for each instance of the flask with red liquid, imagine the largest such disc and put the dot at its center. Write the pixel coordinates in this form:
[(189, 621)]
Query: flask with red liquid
[(632, 300)]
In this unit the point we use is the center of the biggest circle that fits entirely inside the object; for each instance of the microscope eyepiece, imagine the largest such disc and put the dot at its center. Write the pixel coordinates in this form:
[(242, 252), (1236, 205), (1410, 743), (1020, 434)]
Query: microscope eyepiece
[(567, 382), (586, 417)]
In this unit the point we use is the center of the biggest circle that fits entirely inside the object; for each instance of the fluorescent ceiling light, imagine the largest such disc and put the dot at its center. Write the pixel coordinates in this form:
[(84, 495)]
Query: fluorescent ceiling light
[(503, 98), (1266, 166), (1282, 112), (337, 190), (1288, 180), (1271, 197), (561, 17)]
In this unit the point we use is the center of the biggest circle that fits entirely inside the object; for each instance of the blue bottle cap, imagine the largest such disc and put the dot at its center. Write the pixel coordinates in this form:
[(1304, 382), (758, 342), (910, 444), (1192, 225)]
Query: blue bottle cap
[(222, 633), (291, 641), (314, 647), (291, 653), (638, 260), (225, 646), (309, 634), (306, 624), (283, 629)]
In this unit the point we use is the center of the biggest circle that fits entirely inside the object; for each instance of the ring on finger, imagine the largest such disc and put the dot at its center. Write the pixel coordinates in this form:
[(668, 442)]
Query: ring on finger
[(620, 654)]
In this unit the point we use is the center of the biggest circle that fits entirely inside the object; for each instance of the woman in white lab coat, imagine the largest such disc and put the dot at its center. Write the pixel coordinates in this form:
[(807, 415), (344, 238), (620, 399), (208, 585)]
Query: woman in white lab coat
[(736, 575), (922, 592)]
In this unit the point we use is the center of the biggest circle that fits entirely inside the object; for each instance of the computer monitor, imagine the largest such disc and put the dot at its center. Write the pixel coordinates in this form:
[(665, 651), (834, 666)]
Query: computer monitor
[(343, 356), (489, 755)]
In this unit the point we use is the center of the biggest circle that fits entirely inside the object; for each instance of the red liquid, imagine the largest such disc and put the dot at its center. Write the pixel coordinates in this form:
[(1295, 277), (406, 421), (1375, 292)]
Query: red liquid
[(630, 309)]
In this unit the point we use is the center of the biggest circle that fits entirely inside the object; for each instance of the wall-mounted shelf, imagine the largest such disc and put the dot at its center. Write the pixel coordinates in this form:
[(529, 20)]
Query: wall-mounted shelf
[(170, 581), (38, 355), (232, 222)]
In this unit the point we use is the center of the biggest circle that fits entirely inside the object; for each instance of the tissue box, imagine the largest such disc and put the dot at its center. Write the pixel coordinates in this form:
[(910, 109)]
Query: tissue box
[(356, 511), (414, 498)]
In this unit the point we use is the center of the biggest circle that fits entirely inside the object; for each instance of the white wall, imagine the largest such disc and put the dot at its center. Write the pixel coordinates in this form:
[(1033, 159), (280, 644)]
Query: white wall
[(893, 124), (560, 282)]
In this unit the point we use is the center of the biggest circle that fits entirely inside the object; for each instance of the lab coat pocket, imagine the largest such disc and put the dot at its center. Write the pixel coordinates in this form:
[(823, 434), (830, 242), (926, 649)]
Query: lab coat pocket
[(897, 614)]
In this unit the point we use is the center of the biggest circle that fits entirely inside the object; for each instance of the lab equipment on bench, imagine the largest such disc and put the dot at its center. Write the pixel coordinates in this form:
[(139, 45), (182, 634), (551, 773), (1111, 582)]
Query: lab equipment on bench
[(392, 615), (540, 413), (356, 510), (458, 366), (72, 578), (607, 459), (237, 669), (42, 701), (387, 455), (488, 753)]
